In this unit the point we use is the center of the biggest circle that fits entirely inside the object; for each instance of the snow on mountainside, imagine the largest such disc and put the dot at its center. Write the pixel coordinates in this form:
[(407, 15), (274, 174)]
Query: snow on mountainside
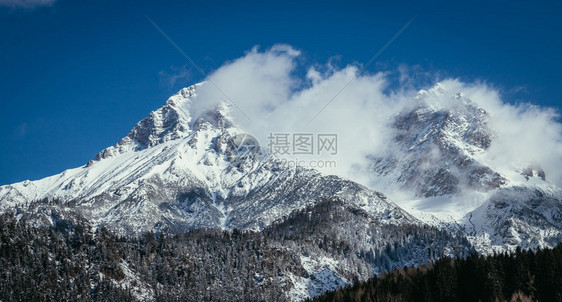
[(175, 172), (528, 216)]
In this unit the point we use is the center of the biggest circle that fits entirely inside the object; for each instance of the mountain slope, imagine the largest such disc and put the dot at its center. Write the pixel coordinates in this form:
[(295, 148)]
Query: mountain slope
[(517, 216)]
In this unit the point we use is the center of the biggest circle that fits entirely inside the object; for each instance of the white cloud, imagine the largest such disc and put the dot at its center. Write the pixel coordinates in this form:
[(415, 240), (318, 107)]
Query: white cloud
[(267, 88), (21, 130), (175, 74), (524, 134), (28, 4)]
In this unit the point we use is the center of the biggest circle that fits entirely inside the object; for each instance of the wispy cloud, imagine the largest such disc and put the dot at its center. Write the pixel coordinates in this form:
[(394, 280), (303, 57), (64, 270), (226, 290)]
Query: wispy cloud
[(363, 68), (267, 88), (175, 74), (26, 4), (21, 130)]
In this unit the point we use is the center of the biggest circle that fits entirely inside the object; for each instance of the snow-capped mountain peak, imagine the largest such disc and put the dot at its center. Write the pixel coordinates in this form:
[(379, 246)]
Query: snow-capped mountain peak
[(181, 169), (435, 145), (437, 154), (177, 171), (171, 121)]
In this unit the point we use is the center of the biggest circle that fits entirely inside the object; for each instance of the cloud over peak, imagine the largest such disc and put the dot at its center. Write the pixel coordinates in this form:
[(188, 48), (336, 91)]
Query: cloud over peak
[(281, 93)]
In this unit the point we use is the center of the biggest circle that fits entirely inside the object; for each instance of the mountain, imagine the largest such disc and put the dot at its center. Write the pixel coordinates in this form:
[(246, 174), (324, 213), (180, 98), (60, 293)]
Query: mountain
[(528, 216), (436, 153), (434, 148), (176, 173), (173, 172)]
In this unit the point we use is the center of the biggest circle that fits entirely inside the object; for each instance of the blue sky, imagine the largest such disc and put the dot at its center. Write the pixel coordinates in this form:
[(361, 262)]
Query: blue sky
[(75, 76)]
